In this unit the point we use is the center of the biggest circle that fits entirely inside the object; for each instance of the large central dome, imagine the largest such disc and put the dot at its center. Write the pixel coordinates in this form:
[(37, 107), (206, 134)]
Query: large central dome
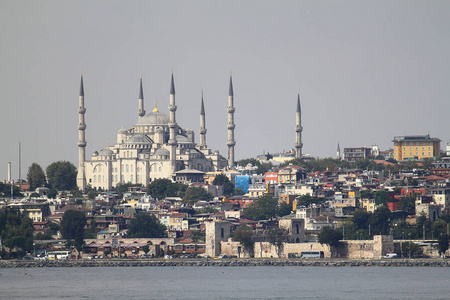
[(153, 118)]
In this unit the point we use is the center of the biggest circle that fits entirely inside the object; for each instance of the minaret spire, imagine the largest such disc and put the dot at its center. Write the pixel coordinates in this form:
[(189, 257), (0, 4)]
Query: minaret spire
[(231, 142), (81, 176), (298, 129), (141, 111), (338, 152), (172, 126), (202, 125)]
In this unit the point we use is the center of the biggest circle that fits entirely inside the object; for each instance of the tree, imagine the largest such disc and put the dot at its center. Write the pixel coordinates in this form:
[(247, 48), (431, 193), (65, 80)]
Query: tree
[(162, 188), (411, 249), (194, 194), (62, 175), (35, 176), (443, 241), (16, 232), (52, 193), (284, 209), (381, 197), (277, 237), (72, 226), (144, 225), (244, 235), (146, 249), (380, 220), (330, 237), (408, 204), (361, 219), (222, 180), (307, 200), (264, 208)]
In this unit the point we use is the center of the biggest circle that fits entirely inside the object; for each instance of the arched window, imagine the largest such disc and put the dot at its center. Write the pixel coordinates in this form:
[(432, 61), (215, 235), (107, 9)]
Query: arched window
[(116, 178), (131, 178), (95, 179), (126, 168), (131, 168)]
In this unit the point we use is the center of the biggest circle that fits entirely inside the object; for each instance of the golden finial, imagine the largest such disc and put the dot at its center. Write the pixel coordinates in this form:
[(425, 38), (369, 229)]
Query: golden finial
[(107, 145), (231, 72), (298, 91), (172, 70), (141, 75), (81, 72), (155, 110)]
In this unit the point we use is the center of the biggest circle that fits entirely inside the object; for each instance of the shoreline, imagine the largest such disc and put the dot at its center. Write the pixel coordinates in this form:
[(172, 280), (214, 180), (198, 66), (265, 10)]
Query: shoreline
[(77, 263)]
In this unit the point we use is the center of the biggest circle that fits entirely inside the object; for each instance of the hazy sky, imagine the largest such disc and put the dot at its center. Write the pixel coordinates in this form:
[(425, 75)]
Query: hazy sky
[(366, 70)]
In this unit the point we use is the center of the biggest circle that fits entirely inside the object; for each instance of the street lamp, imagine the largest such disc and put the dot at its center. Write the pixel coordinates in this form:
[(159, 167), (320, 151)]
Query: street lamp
[(34, 247)]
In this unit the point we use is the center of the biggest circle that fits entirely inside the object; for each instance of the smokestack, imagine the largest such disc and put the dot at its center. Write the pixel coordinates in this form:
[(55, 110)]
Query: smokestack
[(9, 172)]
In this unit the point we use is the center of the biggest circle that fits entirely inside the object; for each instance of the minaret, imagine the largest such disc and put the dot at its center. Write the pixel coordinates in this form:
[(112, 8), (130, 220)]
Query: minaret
[(202, 126), (172, 127), (298, 129), (231, 142), (338, 152), (141, 111), (81, 177)]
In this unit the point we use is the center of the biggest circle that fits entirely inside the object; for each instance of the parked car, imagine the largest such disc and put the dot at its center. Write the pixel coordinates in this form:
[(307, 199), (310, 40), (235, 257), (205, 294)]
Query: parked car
[(391, 255)]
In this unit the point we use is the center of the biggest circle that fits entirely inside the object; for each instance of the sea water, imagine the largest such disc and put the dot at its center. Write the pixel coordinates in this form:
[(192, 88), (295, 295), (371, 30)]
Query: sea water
[(226, 283)]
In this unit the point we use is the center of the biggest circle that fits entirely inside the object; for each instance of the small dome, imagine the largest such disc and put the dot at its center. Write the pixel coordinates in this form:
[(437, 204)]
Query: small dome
[(106, 152), (95, 153), (140, 139), (122, 130), (162, 152)]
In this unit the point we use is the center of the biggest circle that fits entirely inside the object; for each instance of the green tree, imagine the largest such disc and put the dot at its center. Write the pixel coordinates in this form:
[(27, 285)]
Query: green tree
[(264, 208), (62, 175), (277, 237), (244, 235), (380, 221), (146, 249), (361, 219), (72, 226), (144, 225), (52, 193), (381, 197), (223, 180), (307, 200), (443, 241), (284, 209), (408, 204), (410, 248), (16, 232), (35, 176), (330, 237), (194, 194), (162, 188)]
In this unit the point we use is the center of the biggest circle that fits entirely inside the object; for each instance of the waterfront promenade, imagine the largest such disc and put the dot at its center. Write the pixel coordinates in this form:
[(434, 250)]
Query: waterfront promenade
[(226, 262)]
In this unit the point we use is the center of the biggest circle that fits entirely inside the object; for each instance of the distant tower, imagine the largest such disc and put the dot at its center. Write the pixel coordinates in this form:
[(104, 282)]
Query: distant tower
[(231, 142), (338, 152), (202, 125), (298, 129), (141, 111), (172, 127), (81, 177)]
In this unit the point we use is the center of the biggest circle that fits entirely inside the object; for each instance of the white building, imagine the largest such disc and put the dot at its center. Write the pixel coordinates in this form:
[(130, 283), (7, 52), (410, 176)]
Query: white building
[(156, 147)]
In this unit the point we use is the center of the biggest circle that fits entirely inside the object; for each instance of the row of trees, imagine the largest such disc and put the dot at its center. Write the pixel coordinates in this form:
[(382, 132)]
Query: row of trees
[(16, 233), (61, 175)]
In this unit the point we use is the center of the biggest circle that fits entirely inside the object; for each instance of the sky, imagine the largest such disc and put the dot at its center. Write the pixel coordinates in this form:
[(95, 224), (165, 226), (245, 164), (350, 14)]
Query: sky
[(366, 71)]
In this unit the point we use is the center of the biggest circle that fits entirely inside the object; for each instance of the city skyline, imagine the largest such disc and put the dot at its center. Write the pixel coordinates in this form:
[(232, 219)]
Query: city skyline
[(366, 72)]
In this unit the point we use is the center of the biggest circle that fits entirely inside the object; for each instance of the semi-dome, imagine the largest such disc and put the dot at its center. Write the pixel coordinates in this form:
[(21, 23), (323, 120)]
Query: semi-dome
[(182, 139), (139, 139), (153, 118)]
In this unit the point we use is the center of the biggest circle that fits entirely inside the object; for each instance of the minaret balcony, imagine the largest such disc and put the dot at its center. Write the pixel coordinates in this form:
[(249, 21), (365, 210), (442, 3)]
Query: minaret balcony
[(202, 131), (231, 143), (231, 126), (172, 107), (82, 144), (81, 110), (81, 126), (231, 110)]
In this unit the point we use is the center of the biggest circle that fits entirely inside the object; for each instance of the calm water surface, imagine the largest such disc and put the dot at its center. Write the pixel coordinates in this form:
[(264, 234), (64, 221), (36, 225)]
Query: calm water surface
[(226, 283)]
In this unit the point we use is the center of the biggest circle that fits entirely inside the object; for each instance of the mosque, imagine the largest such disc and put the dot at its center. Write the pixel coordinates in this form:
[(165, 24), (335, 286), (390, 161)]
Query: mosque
[(157, 147)]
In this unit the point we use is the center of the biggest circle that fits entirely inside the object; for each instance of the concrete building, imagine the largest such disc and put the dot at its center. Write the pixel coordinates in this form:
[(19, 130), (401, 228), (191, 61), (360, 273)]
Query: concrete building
[(416, 147)]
